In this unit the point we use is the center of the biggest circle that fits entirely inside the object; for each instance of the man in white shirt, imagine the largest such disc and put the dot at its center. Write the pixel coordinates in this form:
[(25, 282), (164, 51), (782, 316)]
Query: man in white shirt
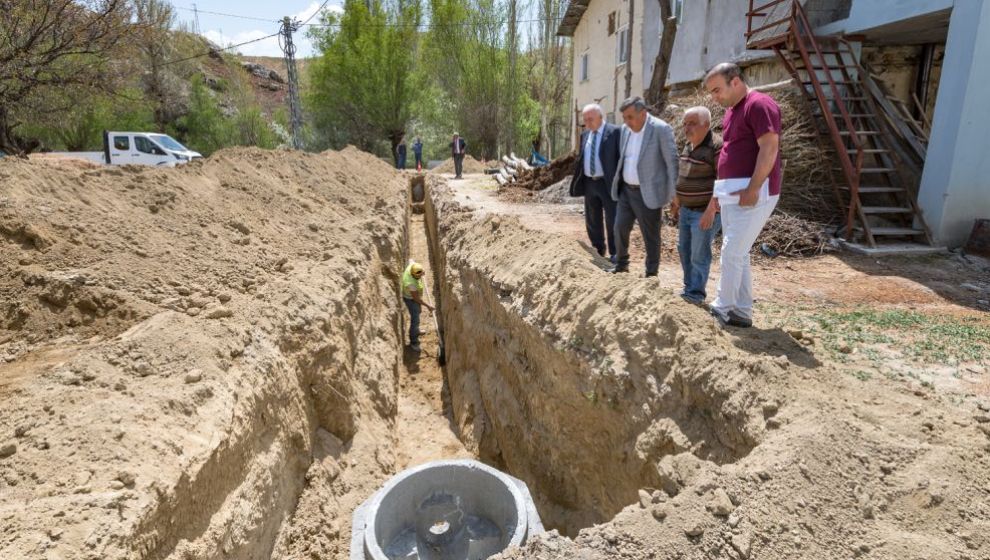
[(644, 183), (457, 147)]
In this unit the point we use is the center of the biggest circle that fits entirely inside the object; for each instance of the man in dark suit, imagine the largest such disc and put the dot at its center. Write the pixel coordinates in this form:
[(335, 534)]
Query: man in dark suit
[(457, 148), (598, 157)]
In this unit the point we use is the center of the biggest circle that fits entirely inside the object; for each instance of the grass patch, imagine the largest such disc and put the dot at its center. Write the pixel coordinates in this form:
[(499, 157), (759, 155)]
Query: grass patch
[(917, 336)]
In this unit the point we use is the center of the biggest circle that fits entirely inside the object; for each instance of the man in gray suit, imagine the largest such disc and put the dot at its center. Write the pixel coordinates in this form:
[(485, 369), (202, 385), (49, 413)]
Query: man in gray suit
[(644, 182)]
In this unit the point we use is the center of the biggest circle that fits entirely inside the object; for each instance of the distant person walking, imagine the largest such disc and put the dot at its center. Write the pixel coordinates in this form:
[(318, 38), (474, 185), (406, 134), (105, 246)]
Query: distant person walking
[(694, 208), (400, 154), (457, 148), (418, 152), (643, 183), (412, 295), (594, 171), (748, 188)]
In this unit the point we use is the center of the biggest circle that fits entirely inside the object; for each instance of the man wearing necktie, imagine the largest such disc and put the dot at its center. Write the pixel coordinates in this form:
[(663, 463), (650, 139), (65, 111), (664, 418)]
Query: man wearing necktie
[(593, 174), (457, 147)]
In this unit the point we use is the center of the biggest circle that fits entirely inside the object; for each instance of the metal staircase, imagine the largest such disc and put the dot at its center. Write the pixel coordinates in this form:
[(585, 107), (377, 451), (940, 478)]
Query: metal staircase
[(876, 180)]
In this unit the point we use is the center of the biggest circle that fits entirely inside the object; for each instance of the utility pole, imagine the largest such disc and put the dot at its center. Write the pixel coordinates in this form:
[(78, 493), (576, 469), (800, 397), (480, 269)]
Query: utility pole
[(196, 19), (295, 108)]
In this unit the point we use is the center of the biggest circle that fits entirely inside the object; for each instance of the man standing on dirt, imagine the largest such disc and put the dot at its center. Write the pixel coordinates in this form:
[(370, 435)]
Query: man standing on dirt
[(748, 188), (694, 208), (593, 174), (418, 152), (412, 296), (457, 148), (643, 183)]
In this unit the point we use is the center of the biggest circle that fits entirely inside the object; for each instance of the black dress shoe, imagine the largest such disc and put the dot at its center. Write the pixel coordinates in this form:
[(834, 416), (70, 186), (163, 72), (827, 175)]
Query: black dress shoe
[(737, 320), (619, 268), (649, 275)]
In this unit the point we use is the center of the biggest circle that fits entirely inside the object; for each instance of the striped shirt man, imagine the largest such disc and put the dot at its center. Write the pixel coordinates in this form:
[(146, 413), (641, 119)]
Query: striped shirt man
[(697, 172)]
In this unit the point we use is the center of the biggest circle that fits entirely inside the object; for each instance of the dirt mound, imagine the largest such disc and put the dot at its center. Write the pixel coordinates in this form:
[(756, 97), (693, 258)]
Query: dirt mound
[(181, 350), (558, 193), (471, 165), (540, 178), (67, 161)]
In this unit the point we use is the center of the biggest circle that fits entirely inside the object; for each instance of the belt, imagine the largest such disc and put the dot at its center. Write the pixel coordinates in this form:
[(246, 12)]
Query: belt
[(631, 186), (599, 178)]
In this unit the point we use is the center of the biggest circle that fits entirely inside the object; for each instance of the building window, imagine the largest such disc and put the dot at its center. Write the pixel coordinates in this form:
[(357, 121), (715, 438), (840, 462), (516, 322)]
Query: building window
[(610, 118), (584, 67), (678, 9), (611, 24), (623, 41)]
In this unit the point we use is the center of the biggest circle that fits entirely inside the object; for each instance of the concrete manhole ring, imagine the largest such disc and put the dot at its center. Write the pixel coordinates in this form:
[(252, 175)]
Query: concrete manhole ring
[(444, 510)]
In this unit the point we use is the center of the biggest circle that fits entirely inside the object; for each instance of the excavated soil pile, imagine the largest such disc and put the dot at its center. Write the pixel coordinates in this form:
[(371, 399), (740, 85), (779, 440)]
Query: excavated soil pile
[(540, 178), (609, 396), (471, 165), (187, 354)]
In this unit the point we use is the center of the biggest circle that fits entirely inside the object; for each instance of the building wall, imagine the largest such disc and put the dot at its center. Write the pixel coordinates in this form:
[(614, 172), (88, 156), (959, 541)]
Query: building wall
[(606, 78), (955, 185), (709, 32)]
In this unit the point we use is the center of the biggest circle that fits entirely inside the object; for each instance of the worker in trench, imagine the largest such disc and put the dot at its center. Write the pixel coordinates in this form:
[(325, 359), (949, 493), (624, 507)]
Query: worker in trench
[(412, 294)]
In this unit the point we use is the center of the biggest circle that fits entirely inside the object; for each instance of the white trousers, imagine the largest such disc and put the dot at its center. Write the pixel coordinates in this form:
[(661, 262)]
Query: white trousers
[(740, 227)]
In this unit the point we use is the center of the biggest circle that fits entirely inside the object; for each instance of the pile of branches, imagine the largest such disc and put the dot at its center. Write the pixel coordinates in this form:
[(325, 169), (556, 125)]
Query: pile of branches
[(539, 178), (789, 236)]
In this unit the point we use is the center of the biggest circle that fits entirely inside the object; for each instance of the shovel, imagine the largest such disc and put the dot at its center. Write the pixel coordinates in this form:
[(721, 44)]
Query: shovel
[(441, 352)]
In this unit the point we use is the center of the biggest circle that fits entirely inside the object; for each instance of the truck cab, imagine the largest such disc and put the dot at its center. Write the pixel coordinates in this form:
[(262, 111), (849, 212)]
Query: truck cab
[(145, 148)]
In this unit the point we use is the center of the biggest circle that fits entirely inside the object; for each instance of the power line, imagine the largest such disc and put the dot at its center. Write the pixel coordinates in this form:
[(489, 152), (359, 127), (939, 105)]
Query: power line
[(227, 48), (311, 16), (427, 26), (424, 26), (267, 20)]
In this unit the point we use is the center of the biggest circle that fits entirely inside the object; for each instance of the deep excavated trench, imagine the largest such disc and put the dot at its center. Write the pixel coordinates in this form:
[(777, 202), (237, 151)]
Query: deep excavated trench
[(585, 420), (583, 430)]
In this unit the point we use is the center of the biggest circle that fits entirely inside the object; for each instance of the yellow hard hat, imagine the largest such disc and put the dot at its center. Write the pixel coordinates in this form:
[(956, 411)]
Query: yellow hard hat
[(416, 268)]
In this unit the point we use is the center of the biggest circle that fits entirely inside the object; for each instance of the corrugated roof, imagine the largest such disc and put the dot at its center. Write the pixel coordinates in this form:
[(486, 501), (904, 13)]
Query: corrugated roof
[(572, 17)]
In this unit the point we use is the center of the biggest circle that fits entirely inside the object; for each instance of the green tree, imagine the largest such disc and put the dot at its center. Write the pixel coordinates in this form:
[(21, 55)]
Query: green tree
[(204, 127), (253, 130), (470, 55), (52, 53), (153, 21), (82, 128), (361, 91)]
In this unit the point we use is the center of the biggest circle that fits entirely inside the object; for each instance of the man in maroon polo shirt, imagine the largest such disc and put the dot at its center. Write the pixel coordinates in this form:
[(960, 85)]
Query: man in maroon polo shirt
[(748, 186)]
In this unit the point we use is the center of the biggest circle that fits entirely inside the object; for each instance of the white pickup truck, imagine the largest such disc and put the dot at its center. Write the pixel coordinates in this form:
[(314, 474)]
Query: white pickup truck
[(137, 148)]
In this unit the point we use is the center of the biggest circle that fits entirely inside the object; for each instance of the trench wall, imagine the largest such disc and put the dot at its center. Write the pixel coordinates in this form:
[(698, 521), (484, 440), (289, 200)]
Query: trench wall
[(586, 386)]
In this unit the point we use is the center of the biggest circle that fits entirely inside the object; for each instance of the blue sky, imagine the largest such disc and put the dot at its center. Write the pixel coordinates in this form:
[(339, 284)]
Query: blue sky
[(225, 30)]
